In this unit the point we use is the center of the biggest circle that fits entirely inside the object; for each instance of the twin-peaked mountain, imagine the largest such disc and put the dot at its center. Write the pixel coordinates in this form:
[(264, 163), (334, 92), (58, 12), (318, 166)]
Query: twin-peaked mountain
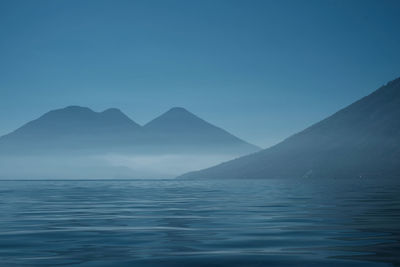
[(80, 129)]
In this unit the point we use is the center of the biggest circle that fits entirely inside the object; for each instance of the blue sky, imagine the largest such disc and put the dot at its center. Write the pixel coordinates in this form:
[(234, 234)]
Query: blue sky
[(263, 70)]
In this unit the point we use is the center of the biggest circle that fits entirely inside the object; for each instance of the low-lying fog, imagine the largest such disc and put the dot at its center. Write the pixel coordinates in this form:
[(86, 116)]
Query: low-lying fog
[(105, 166)]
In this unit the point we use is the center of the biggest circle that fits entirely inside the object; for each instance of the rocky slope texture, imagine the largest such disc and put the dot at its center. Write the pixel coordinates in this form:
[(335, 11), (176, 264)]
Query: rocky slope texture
[(361, 140)]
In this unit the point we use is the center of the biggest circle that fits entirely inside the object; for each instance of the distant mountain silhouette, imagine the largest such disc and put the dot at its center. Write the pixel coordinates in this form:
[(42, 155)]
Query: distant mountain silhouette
[(77, 120), (69, 129), (179, 129), (75, 128), (361, 140)]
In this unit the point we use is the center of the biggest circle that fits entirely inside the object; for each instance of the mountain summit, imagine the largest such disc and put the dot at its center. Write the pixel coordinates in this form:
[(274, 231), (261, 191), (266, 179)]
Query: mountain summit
[(361, 140), (180, 129), (177, 119), (70, 129), (76, 120)]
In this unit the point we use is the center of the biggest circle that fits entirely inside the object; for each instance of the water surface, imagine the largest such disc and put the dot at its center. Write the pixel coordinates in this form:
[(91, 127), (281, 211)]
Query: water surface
[(199, 223)]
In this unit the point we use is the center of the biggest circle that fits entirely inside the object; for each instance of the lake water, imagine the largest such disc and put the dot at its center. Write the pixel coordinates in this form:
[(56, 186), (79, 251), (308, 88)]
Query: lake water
[(199, 223)]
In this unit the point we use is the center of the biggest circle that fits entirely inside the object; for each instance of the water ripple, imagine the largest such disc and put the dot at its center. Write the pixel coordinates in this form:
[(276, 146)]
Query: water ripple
[(207, 223)]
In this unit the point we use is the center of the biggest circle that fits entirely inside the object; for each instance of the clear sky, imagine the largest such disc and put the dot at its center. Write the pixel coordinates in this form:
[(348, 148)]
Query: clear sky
[(263, 70)]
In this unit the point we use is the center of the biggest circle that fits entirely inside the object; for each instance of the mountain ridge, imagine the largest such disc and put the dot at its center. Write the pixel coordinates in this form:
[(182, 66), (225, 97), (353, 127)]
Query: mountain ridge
[(360, 140), (76, 127)]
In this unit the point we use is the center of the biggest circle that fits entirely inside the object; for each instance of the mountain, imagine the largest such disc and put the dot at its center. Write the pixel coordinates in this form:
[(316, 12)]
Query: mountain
[(75, 128), (71, 128), (361, 140), (79, 143), (178, 129), (77, 120)]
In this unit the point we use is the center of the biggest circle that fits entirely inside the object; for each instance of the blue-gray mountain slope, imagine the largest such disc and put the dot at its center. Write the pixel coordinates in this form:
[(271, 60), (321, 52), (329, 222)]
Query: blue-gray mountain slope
[(361, 140), (178, 129)]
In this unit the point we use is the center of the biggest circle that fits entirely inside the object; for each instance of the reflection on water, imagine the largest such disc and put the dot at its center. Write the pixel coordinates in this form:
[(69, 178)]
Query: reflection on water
[(213, 223)]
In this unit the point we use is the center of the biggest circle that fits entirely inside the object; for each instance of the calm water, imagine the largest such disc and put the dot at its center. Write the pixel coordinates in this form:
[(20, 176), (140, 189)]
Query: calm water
[(196, 223)]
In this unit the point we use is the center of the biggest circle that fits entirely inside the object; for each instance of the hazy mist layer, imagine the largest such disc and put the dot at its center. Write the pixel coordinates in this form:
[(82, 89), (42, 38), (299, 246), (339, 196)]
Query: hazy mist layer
[(105, 166), (78, 143)]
